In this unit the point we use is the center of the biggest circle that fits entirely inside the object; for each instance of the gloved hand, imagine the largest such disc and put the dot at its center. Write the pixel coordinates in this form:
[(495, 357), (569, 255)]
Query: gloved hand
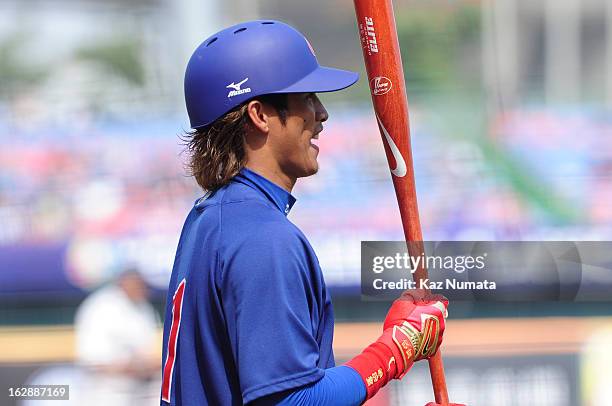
[(420, 316), (412, 331)]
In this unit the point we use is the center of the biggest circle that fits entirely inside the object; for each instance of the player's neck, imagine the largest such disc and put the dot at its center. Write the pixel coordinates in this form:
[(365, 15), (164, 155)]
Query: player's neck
[(274, 175)]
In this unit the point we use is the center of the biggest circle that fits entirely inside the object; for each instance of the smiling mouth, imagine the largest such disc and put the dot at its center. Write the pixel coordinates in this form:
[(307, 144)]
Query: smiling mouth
[(314, 138)]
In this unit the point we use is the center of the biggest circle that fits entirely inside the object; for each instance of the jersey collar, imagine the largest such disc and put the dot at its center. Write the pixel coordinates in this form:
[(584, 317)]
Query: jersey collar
[(282, 199)]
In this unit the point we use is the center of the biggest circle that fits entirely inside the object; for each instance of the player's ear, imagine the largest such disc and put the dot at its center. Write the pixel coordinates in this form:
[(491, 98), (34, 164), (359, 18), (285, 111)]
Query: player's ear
[(259, 115)]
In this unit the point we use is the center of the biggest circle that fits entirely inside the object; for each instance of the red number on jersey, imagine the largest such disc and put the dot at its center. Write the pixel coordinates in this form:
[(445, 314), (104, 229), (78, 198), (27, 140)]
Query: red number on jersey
[(177, 309)]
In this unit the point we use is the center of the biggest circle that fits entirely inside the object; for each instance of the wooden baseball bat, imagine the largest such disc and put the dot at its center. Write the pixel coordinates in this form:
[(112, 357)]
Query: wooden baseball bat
[(381, 52)]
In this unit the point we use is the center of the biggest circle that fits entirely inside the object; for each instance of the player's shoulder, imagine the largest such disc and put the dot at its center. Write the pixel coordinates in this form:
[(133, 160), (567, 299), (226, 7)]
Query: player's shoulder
[(244, 213), (235, 196), (241, 203)]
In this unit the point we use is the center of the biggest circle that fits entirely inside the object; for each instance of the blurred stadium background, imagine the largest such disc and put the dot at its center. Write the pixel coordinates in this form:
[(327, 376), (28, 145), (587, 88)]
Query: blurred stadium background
[(512, 133)]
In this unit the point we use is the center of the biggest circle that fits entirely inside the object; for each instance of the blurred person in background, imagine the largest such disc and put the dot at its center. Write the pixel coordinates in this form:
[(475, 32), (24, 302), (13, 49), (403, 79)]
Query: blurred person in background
[(117, 343)]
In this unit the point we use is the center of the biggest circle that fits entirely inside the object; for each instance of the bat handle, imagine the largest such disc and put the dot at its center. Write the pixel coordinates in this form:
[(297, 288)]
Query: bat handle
[(436, 370)]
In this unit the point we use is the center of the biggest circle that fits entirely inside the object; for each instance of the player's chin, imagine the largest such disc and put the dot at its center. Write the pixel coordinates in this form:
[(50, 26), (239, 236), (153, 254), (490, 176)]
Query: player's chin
[(314, 154), (311, 166), (312, 169)]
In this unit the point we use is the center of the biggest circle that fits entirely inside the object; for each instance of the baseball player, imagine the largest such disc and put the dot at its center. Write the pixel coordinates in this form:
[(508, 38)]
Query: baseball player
[(248, 317)]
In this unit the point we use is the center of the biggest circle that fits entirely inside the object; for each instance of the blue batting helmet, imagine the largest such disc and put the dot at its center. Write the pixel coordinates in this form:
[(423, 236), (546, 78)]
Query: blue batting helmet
[(252, 59)]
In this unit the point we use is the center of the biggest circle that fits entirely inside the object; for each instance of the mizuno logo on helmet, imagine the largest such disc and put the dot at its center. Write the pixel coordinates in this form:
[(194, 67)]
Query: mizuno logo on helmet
[(236, 88)]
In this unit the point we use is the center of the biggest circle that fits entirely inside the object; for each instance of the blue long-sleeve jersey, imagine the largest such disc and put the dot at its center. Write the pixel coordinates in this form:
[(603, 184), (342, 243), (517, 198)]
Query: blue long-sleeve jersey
[(248, 313)]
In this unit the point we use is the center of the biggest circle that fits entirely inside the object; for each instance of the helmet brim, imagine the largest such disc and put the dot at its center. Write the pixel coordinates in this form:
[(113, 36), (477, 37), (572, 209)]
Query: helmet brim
[(322, 79)]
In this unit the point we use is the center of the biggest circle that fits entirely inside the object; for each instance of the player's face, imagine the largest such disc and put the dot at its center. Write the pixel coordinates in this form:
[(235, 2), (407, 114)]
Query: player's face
[(297, 144)]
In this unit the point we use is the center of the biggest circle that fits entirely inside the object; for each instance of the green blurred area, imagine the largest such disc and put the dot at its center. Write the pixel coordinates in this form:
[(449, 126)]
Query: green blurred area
[(119, 56), (17, 73), (440, 48)]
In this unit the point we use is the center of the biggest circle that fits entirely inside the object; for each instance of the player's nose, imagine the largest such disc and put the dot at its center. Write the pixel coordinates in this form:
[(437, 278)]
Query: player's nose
[(321, 113)]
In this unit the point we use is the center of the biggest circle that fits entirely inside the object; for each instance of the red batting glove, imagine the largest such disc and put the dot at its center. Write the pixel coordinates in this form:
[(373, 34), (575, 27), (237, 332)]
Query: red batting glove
[(425, 312), (412, 331)]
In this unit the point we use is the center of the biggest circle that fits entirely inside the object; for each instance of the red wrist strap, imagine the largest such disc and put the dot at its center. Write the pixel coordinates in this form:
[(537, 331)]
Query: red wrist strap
[(382, 361)]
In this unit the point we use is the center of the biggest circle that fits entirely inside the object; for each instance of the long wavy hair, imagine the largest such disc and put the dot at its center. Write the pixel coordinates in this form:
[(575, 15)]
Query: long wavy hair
[(216, 151)]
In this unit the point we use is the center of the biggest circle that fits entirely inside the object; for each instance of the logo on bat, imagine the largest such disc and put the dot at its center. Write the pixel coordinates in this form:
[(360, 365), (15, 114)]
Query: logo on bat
[(380, 85), (237, 90), (400, 165), (371, 35)]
